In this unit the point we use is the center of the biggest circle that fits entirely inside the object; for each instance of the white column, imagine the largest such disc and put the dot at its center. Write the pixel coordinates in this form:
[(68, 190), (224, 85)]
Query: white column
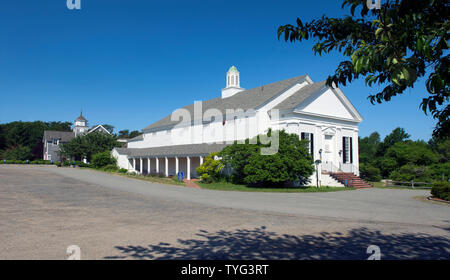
[(201, 160), (157, 165), (148, 167), (176, 166), (188, 175), (134, 164), (140, 165), (167, 167)]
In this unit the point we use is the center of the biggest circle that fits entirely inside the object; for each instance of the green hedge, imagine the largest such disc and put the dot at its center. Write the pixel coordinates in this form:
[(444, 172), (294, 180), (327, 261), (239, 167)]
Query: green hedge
[(45, 162), (441, 190), (12, 161)]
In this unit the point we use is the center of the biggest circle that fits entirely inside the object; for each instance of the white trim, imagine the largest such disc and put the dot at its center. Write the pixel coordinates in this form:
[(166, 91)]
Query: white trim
[(96, 127)]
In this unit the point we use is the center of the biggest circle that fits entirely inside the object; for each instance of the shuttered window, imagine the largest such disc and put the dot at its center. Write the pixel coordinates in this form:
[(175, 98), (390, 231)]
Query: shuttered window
[(347, 150), (310, 138)]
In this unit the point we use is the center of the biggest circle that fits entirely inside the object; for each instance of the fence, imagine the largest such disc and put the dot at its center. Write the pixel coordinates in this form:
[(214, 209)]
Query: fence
[(408, 184)]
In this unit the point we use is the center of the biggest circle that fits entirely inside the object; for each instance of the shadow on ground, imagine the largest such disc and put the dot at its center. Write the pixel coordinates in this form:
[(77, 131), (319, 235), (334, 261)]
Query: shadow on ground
[(259, 243)]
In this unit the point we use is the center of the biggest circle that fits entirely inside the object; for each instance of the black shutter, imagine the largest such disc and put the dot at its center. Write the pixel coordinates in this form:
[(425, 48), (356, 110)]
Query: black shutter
[(302, 136), (344, 154), (351, 150), (312, 144)]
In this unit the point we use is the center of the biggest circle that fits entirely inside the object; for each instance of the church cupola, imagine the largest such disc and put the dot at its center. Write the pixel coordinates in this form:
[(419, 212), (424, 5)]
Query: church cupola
[(233, 83), (80, 126)]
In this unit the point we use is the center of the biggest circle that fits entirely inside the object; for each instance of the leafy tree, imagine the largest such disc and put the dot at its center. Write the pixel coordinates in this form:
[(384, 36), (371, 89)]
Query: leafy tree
[(412, 152), (134, 133), (393, 46), (369, 172), (368, 147), (236, 157), (387, 165), (441, 147), (103, 159), (28, 134), (292, 162), (17, 153), (411, 172), (440, 171), (124, 133), (397, 135), (85, 146), (109, 127), (2, 138), (211, 169)]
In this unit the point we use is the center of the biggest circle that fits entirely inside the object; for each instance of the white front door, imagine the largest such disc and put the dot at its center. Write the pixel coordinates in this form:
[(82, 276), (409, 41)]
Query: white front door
[(328, 149)]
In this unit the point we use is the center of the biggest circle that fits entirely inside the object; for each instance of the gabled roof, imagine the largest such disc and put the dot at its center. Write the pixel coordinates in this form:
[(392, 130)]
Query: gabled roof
[(64, 136), (98, 127), (301, 95), (247, 99)]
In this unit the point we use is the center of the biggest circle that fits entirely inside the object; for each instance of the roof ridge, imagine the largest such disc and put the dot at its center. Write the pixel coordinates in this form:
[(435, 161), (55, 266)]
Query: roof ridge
[(246, 99)]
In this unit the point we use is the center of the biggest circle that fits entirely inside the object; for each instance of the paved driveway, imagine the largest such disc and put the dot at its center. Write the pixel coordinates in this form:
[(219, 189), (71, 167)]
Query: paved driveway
[(45, 209)]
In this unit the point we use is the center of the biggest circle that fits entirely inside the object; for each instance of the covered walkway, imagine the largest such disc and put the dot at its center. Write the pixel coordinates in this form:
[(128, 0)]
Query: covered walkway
[(166, 161)]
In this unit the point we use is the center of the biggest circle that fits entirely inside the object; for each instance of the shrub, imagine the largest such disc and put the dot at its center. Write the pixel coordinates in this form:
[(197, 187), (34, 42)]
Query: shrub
[(369, 172), (110, 167), (410, 172), (18, 153), (102, 159), (82, 164), (440, 171), (290, 163), (123, 170), (441, 190), (210, 170)]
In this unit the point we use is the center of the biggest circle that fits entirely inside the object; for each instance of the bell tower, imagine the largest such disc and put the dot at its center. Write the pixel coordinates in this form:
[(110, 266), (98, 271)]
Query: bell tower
[(80, 126), (233, 83)]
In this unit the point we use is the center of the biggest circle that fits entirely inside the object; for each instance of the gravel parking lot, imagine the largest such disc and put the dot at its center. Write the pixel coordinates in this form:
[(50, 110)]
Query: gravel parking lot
[(43, 210)]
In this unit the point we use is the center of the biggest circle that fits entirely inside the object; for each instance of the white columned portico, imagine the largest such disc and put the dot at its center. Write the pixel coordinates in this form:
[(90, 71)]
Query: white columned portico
[(188, 171), (134, 164), (166, 171), (149, 170), (176, 165), (201, 160), (157, 165), (140, 165)]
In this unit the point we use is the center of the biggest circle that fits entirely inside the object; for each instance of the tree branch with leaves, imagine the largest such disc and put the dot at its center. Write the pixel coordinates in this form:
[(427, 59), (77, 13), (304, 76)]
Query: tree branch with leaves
[(393, 46)]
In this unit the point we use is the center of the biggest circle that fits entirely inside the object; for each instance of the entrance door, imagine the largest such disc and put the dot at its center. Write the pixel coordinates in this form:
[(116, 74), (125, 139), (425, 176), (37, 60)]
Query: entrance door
[(328, 149)]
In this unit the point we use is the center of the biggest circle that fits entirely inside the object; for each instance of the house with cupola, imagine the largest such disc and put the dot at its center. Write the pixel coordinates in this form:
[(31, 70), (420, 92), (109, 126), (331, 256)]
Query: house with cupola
[(53, 139), (312, 110)]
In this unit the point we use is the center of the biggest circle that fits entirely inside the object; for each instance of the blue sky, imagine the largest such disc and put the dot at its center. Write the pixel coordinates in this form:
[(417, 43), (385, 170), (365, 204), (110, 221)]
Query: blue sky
[(129, 63)]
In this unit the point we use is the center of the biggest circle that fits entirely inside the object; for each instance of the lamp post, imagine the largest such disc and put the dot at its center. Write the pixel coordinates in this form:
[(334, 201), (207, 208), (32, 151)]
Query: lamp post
[(317, 162)]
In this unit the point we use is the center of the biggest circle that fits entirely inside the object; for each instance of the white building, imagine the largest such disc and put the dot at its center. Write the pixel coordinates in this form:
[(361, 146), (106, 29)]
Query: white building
[(314, 111)]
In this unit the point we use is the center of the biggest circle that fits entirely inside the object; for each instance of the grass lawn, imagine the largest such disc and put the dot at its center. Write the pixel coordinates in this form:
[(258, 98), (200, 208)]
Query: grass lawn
[(224, 186), (153, 179)]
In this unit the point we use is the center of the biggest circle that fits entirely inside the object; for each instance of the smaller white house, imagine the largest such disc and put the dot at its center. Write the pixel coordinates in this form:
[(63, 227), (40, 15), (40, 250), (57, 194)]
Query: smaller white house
[(314, 111)]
